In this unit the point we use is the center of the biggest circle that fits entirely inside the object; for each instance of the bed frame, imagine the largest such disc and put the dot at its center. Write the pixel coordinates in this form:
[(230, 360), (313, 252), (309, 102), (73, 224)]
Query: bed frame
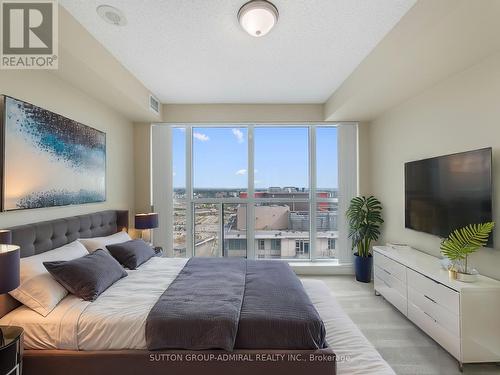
[(37, 238)]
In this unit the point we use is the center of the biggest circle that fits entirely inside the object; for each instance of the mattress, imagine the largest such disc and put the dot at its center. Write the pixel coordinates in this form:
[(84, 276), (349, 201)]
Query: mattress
[(116, 320)]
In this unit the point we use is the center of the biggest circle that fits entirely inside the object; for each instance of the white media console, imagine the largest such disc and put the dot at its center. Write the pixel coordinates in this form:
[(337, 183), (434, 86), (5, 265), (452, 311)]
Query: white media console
[(464, 318)]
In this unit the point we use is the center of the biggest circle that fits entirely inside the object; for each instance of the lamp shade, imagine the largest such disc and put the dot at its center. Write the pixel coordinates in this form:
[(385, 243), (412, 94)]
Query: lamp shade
[(146, 221), (9, 267), (5, 237)]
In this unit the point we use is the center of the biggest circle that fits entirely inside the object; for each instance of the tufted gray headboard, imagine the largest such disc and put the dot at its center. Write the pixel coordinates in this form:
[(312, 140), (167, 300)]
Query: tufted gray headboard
[(40, 237), (37, 238)]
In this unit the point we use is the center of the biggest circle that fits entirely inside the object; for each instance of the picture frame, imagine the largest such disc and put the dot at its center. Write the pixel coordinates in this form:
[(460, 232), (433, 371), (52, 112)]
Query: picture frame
[(48, 160)]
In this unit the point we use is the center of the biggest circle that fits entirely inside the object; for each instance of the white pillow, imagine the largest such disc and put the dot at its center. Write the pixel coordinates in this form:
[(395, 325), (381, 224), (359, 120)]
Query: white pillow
[(92, 244), (38, 289)]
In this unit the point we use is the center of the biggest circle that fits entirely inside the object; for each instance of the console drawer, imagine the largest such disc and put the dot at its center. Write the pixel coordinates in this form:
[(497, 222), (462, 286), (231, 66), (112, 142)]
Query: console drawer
[(440, 294), (390, 266), (390, 280), (429, 325), (391, 294), (442, 316)]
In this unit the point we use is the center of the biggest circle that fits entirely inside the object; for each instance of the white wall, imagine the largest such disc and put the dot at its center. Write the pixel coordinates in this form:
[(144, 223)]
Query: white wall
[(142, 160), (435, 39), (458, 114), (48, 91), (88, 65), (242, 112)]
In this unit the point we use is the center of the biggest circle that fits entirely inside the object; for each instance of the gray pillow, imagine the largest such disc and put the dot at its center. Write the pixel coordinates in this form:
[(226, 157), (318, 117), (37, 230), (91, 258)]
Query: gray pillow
[(87, 277), (131, 253)]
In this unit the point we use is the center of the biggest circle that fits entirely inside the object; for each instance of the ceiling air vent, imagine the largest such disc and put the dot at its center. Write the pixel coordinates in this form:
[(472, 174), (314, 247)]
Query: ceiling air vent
[(154, 104)]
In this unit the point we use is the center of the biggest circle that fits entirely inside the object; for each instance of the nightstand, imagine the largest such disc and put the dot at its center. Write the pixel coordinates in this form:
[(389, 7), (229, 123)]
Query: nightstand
[(11, 350)]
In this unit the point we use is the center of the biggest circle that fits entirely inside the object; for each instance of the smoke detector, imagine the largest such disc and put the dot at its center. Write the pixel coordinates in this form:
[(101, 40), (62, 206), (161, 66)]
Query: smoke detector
[(111, 15)]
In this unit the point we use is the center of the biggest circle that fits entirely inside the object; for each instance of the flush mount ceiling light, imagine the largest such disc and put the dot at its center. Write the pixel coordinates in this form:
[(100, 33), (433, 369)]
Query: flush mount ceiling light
[(258, 17), (111, 15)]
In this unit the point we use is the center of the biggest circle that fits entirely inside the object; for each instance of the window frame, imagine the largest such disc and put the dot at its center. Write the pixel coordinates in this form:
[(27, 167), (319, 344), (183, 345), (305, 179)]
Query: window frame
[(330, 242), (302, 246), (261, 242), (275, 244), (250, 200), (238, 241)]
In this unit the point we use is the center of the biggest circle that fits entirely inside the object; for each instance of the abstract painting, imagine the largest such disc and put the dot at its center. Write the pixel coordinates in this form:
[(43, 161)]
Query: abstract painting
[(49, 160)]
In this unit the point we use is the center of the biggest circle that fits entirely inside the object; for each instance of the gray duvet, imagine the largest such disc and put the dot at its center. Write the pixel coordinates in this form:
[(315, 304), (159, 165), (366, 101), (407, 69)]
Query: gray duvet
[(221, 303)]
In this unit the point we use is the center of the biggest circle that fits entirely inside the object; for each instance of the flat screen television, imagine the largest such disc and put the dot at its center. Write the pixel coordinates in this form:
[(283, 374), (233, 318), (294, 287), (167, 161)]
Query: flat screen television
[(448, 192)]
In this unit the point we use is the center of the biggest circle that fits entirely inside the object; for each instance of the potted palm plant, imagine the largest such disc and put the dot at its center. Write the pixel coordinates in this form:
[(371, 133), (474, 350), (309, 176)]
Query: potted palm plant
[(365, 218), (460, 244)]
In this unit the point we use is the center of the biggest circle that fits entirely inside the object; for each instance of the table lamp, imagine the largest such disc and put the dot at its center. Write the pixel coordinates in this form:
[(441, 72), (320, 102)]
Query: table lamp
[(146, 222)]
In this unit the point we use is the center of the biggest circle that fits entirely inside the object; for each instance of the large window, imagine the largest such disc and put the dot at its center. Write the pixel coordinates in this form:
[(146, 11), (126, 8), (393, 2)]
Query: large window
[(256, 191)]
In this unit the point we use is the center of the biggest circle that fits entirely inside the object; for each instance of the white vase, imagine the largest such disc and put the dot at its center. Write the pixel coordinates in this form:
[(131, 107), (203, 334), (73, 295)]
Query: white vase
[(466, 277)]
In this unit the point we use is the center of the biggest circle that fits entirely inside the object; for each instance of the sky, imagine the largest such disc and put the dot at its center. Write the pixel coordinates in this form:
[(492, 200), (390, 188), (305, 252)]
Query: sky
[(281, 157)]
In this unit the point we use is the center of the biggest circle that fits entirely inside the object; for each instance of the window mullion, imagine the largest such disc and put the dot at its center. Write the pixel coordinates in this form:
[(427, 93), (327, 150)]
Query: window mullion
[(250, 227), (220, 210), (312, 187), (189, 194), (168, 215)]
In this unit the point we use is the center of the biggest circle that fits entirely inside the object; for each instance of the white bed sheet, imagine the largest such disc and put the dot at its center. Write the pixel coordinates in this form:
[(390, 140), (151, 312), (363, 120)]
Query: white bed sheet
[(355, 354), (116, 320), (58, 330)]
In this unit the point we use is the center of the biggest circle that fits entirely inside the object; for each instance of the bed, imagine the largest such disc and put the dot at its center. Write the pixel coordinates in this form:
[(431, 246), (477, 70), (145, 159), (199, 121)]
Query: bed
[(90, 339)]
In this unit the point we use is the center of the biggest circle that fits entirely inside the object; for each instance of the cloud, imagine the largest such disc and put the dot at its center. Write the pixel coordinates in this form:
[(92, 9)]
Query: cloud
[(242, 172), (175, 174), (255, 171), (239, 135), (201, 137)]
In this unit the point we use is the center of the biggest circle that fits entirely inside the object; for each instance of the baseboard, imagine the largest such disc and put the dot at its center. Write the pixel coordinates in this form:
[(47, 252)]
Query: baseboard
[(322, 268)]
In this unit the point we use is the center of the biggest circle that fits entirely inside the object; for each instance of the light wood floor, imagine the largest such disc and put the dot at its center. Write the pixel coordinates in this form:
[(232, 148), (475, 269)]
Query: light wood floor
[(406, 348)]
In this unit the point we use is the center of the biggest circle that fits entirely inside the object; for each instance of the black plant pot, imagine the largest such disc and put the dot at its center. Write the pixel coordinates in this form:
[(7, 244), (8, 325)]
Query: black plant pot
[(363, 268)]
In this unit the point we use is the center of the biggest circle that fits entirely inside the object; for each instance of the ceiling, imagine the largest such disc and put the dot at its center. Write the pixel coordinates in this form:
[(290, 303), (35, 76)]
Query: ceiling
[(194, 51)]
